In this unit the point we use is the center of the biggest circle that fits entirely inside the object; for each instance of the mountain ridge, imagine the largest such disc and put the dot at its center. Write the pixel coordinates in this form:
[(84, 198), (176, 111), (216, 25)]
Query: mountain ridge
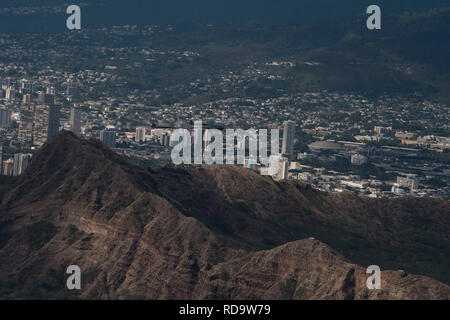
[(136, 233)]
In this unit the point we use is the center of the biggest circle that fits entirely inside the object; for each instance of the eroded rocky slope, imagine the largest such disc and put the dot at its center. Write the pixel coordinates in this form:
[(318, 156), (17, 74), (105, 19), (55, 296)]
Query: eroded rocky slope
[(207, 233)]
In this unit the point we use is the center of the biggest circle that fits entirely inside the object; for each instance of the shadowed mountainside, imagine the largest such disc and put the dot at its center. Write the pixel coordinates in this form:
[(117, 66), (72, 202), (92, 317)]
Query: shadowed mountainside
[(207, 233)]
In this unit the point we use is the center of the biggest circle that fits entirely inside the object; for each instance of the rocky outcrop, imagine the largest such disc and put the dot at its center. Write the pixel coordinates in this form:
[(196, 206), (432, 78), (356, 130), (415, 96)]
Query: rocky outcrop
[(208, 233)]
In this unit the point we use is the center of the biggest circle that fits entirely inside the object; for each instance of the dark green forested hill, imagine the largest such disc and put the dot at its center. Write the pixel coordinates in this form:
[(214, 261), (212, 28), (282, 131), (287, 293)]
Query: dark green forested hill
[(410, 53)]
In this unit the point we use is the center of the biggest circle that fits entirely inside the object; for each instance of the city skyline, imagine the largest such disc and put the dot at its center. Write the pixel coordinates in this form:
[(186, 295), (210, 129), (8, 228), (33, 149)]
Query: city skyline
[(233, 151)]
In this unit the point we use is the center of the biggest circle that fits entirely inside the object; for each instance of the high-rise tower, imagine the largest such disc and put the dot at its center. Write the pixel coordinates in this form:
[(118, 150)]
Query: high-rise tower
[(108, 137), (288, 138), (75, 120), (46, 124)]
